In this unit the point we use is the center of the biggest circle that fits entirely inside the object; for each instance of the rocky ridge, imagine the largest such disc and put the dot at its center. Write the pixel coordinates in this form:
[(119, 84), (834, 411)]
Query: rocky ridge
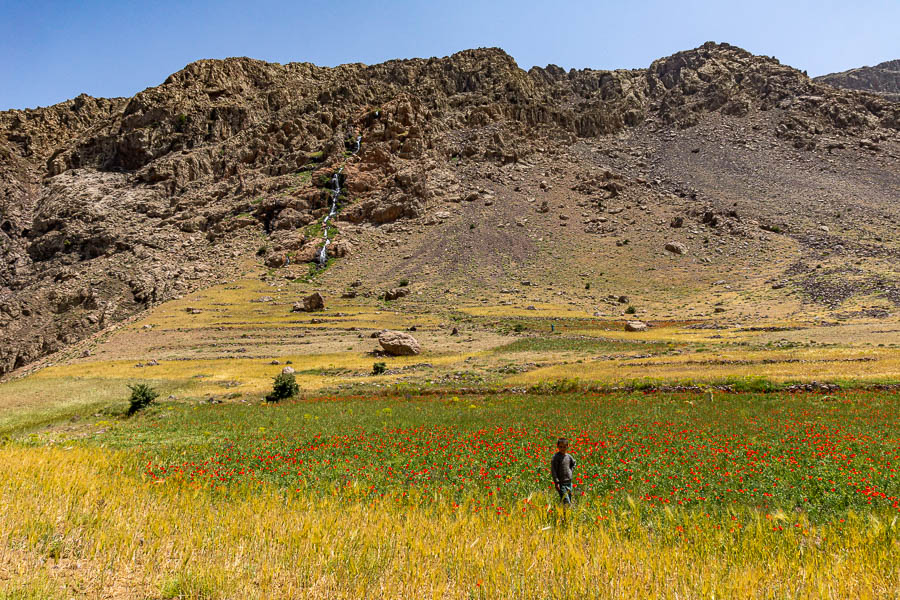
[(882, 79), (108, 206)]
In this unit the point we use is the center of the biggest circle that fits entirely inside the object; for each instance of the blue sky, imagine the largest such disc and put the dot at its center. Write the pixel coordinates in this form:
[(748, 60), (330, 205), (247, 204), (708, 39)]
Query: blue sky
[(54, 50)]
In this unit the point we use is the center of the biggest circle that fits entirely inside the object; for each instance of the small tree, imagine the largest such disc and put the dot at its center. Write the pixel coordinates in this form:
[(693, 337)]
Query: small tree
[(141, 397), (285, 386), (379, 368)]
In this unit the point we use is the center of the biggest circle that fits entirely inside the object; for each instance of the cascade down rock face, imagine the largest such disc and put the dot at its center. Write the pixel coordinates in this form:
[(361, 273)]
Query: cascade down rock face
[(111, 206), (398, 343)]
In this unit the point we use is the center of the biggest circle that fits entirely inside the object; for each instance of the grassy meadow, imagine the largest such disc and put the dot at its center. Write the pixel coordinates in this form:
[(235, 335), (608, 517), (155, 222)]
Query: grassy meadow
[(676, 495), (431, 480)]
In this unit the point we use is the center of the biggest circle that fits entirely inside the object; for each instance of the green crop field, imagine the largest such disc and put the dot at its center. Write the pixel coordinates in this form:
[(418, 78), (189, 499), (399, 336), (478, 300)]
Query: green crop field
[(759, 495)]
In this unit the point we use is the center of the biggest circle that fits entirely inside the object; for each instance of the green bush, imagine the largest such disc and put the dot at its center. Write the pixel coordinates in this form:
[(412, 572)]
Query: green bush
[(141, 397), (379, 368), (285, 386), (404, 282), (630, 310)]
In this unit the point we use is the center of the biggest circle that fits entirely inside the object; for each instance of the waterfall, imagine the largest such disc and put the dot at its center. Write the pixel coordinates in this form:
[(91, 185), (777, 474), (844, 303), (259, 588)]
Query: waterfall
[(336, 191)]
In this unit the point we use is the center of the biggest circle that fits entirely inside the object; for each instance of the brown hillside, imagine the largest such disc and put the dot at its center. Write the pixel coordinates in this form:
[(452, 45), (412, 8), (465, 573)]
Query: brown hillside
[(473, 176)]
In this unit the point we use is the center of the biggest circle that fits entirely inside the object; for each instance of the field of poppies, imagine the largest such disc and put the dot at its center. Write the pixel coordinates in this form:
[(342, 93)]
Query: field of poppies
[(820, 455), (676, 495)]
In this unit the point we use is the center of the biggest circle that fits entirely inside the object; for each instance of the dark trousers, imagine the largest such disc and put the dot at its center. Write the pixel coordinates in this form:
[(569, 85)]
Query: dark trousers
[(565, 492)]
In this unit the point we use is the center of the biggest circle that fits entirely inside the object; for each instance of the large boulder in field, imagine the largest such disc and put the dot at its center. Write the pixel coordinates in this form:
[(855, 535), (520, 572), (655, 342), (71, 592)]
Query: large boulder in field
[(635, 326), (311, 303), (397, 343)]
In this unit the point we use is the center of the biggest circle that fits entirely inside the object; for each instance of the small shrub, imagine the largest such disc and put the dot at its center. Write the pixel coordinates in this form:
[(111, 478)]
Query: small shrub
[(141, 397), (518, 328), (587, 286), (285, 386), (379, 368), (404, 282), (630, 310)]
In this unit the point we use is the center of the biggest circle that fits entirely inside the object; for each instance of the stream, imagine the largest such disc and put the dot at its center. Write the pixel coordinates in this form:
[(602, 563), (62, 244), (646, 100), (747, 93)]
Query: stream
[(322, 259)]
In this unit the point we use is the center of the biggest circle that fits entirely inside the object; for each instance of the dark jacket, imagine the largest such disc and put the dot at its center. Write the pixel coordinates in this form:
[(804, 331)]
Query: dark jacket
[(561, 467)]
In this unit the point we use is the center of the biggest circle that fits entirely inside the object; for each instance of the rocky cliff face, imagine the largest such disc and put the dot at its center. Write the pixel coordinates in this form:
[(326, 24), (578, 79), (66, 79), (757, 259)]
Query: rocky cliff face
[(110, 205), (882, 79)]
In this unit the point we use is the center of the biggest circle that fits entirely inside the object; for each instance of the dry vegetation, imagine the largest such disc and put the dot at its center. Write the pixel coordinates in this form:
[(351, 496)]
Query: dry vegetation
[(78, 519), (77, 522)]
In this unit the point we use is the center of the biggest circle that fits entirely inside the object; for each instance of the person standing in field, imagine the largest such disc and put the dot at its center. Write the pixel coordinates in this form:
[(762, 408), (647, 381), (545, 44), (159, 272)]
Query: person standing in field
[(561, 468)]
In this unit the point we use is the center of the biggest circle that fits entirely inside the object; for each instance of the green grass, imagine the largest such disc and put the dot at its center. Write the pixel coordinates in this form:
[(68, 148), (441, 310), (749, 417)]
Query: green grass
[(28, 404), (575, 344), (314, 230), (768, 452)]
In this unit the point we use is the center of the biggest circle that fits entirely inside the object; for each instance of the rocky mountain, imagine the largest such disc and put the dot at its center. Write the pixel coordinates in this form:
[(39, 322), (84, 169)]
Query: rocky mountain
[(882, 79), (468, 169)]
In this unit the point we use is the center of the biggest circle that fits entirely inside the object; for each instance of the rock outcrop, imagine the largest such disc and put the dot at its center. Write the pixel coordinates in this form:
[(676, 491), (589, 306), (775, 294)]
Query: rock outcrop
[(882, 79)]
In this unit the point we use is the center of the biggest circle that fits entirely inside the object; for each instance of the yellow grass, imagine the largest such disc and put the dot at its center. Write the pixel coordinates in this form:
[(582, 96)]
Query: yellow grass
[(540, 310), (61, 507), (251, 375), (232, 305), (804, 364)]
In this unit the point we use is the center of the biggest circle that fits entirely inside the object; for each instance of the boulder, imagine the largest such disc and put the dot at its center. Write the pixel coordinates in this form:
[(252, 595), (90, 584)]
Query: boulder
[(635, 326), (395, 293), (311, 303), (309, 252), (314, 301), (288, 370), (340, 249), (397, 343), (275, 261), (676, 248)]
